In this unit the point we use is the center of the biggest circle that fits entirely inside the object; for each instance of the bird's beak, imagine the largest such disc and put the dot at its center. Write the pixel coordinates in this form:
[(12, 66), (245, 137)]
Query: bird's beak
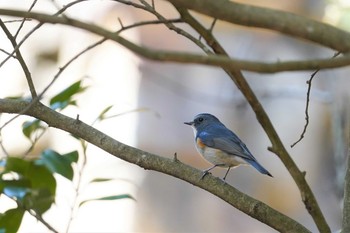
[(189, 123)]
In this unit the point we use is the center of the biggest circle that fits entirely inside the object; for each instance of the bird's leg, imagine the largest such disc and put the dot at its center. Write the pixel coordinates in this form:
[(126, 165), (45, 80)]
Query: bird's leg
[(226, 174), (205, 172)]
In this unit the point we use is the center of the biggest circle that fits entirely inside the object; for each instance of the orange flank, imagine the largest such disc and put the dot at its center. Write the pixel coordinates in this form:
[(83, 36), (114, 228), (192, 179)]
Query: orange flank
[(200, 144)]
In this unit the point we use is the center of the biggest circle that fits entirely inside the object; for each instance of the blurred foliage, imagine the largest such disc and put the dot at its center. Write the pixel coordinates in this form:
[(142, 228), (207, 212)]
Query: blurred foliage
[(65, 97), (337, 12), (31, 183)]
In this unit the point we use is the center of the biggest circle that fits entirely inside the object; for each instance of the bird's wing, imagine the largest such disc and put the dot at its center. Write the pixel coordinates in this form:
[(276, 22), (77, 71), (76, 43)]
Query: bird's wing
[(229, 143)]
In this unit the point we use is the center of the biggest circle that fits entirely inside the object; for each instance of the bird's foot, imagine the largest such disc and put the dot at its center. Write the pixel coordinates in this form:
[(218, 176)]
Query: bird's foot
[(204, 174), (223, 179)]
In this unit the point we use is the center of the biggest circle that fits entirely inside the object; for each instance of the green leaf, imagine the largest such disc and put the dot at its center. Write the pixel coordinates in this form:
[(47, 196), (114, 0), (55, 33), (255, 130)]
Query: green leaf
[(41, 177), (108, 198), (103, 113), (18, 165), (29, 127), (64, 98), (58, 163), (22, 183), (96, 180), (72, 156), (11, 220), (39, 200), (43, 188), (29, 182)]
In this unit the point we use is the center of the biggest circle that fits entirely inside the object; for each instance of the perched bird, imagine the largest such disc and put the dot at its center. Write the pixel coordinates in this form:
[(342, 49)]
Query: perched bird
[(220, 146)]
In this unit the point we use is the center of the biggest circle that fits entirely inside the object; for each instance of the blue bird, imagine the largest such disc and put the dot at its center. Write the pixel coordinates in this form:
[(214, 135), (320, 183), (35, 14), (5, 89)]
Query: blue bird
[(220, 146)]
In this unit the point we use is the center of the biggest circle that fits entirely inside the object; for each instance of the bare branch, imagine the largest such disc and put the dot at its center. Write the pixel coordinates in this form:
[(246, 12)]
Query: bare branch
[(172, 27), (36, 28), (308, 82), (275, 20), (20, 59), (346, 203), (7, 53), (214, 60), (24, 19), (40, 219), (77, 186), (308, 103), (130, 3), (36, 215), (16, 48)]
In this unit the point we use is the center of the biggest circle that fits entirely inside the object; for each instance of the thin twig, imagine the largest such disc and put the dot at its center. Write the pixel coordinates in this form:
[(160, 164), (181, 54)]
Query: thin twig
[(34, 142), (20, 60), (307, 118), (36, 28), (211, 28), (7, 53), (16, 20), (40, 219), (34, 100), (213, 25), (34, 214), (172, 27), (4, 150), (120, 22), (138, 6), (24, 19), (77, 188)]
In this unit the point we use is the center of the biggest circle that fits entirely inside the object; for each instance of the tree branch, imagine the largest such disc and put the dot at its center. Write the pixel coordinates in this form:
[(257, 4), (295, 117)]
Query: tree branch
[(20, 59), (214, 185), (277, 145), (346, 204), (182, 57), (281, 21)]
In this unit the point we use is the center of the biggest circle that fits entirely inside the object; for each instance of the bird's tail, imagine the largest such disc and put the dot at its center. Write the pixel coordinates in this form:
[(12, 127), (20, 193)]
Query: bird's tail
[(259, 167)]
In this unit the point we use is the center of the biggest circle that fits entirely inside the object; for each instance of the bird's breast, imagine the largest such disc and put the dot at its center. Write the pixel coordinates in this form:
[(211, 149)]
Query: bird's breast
[(216, 156)]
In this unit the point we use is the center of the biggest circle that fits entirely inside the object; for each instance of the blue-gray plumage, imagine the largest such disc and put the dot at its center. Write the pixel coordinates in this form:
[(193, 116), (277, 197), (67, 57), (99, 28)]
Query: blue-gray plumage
[(220, 146)]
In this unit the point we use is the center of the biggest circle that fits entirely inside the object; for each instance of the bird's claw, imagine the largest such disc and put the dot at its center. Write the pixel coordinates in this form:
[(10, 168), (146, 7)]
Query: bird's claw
[(204, 174)]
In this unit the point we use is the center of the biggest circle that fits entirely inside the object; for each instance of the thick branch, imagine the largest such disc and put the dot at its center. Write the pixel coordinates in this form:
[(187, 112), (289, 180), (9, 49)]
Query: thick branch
[(160, 55), (281, 21), (241, 201), (346, 204)]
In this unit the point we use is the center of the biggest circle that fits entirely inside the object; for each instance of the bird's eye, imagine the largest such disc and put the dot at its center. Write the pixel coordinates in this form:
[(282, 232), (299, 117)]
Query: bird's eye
[(200, 119)]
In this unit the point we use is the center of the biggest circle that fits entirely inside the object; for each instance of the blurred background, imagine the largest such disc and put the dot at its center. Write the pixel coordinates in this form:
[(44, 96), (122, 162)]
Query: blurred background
[(158, 97)]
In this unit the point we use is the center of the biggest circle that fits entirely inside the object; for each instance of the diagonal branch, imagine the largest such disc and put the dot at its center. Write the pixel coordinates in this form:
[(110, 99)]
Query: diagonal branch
[(214, 185), (16, 48), (20, 59), (277, 145), (24, 20)]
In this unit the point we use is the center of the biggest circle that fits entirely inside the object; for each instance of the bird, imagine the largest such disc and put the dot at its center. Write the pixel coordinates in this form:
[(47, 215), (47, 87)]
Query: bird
[(220, 146)]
